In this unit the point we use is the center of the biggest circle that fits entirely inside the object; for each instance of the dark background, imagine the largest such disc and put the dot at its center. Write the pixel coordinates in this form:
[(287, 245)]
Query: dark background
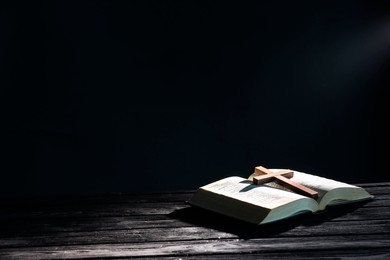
[(101, 96)]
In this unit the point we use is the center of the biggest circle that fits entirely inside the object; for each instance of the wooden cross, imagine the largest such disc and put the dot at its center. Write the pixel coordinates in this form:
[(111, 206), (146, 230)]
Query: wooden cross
[(282, 178)]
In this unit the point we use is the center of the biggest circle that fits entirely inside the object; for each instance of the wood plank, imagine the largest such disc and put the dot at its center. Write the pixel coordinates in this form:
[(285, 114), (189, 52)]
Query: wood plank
[(373, 184), (182, 218), (118, 207), (93, 211), (111, 198), (179, 215), (137, 235), (209, 248), (118, 225), (378, 190), (111, 210), (171, 211), (122, 198), (378, 254)]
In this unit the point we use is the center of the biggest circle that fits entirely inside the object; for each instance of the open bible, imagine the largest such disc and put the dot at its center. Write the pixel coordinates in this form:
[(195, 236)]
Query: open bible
[(243, 199)]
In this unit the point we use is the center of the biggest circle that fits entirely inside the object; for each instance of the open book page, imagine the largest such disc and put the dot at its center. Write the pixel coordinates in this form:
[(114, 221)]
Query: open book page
[(238, 197), (329, 191), (243, 190)]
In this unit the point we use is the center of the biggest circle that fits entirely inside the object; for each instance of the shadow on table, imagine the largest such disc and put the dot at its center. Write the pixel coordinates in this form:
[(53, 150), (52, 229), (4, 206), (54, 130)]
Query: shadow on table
[(204, 218)]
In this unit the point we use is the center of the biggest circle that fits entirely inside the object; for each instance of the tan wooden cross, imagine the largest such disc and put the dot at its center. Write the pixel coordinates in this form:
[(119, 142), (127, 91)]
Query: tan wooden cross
[(282, 178)]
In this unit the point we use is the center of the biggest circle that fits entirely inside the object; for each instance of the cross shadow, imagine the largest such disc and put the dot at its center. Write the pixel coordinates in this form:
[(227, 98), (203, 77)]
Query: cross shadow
[(208, 219)]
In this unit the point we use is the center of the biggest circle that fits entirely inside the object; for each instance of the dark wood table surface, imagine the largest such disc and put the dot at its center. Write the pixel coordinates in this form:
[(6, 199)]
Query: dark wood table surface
[(162, 225)]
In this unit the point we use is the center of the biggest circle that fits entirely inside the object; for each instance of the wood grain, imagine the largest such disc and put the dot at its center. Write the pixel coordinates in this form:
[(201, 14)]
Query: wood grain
[(282, 178), (109, 226)]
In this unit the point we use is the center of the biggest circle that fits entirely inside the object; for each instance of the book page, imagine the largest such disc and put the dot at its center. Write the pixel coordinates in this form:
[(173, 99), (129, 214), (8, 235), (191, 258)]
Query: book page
[(259, 195), (329, 191), (320, 184)]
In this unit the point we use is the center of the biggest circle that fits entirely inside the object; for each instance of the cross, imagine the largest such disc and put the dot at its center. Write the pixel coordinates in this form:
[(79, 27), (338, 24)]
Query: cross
[(282, 178)]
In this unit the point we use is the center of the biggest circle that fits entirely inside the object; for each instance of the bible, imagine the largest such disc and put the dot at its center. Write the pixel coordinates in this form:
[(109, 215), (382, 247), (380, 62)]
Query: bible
[(258, 202)]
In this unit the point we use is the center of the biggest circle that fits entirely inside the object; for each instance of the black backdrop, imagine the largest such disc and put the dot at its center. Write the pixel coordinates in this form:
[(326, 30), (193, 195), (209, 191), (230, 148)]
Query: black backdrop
[(100, 96)]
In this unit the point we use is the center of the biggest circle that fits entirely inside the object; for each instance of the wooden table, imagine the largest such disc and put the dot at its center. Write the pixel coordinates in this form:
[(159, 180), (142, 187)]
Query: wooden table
[(164, 226)]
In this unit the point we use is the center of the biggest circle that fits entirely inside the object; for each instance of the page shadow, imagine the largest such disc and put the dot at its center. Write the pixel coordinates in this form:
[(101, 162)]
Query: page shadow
[(208, 219)]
